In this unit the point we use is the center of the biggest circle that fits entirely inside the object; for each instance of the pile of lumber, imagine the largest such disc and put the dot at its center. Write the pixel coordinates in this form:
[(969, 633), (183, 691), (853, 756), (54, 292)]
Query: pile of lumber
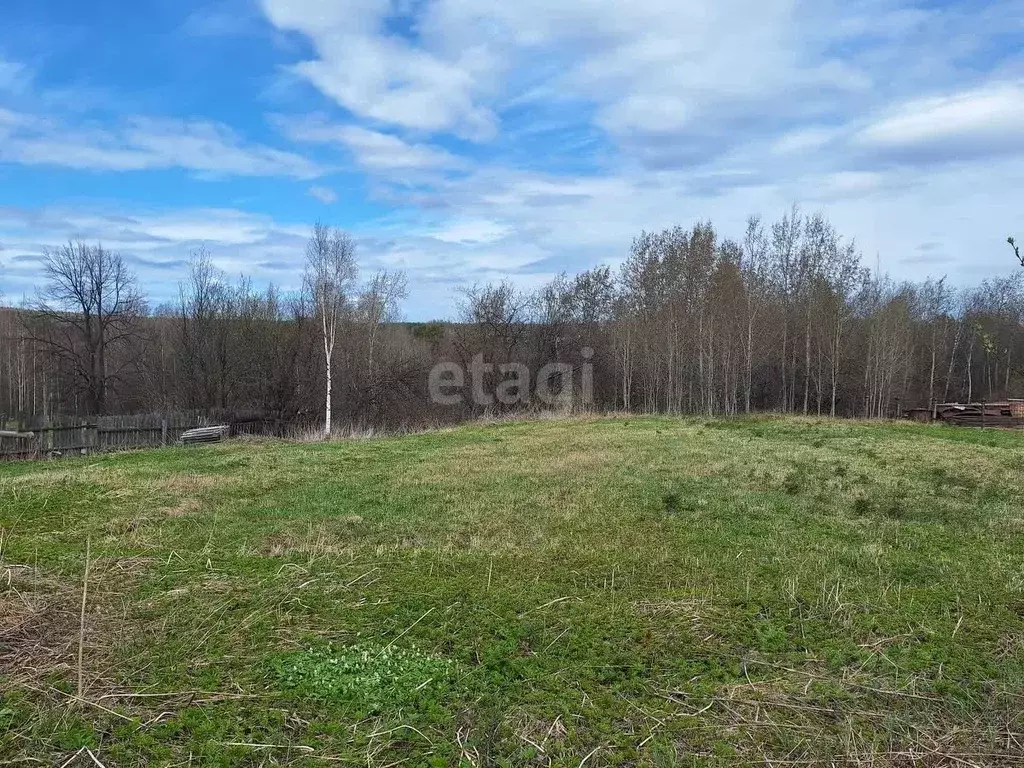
[(206, 434)]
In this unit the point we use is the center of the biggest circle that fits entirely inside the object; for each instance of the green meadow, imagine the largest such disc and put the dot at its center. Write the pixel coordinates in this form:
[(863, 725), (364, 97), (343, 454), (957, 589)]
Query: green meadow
[(589, 591)]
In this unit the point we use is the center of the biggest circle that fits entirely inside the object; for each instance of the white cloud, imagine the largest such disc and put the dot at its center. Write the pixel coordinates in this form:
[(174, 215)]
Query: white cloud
[(669, 83), (156, 244), (802, 140), (378, 76), (211, 225), (655, 67), (986, 120), (380, 150), (352, 16), (325, 195), (371, 149), (471, 231), (648, 113), (848, 184), (143, 143)]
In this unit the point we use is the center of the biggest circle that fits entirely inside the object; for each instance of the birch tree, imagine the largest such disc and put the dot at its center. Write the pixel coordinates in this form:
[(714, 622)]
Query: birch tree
[(330, 273)]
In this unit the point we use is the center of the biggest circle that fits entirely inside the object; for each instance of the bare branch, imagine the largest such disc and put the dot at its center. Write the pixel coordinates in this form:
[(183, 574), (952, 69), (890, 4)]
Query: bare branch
[(1016, 250)]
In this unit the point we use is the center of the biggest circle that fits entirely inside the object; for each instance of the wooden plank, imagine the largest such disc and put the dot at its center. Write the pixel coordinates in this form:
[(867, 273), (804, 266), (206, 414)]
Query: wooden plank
[(17, 435), (127, 430), (42, 430)]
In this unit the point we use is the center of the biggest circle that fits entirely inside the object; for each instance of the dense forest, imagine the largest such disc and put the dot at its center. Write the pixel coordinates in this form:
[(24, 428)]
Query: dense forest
[(785, 317)]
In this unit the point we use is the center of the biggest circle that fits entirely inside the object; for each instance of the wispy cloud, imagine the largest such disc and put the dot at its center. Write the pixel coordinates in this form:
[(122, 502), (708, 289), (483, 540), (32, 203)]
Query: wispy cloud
[(144, 143), (371, 149), (983, 121), (378, 76), (157, 244), (325, 195)]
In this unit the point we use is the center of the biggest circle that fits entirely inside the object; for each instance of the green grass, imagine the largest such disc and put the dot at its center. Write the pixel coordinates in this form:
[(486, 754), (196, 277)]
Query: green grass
[(620, 591)]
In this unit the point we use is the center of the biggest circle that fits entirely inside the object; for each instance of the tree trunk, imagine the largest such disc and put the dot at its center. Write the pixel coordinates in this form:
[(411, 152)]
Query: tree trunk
[(931, 373), (750, 364), (807, 360), (328, 354), (327, 405), (785, 339)]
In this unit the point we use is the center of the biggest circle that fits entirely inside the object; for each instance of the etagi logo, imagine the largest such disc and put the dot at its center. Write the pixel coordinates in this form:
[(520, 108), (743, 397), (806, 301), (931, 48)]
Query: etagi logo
[(555, 383)]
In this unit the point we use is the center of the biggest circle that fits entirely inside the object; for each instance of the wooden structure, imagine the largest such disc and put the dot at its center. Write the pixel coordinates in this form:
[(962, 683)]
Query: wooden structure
[(1005, 414)]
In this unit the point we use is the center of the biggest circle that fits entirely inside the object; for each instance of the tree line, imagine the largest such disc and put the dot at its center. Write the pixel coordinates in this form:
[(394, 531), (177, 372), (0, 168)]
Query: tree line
[(786, 318)]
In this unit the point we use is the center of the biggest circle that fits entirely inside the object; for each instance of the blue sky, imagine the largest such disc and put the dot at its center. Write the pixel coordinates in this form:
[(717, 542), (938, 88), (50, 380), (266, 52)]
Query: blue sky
[(469, 140)]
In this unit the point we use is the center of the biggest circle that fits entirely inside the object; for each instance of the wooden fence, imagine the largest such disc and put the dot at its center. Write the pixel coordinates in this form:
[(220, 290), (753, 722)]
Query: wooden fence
[(112, 433)]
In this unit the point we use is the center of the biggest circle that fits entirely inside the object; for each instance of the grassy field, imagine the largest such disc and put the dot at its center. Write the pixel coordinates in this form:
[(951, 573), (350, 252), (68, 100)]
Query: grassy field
[(620, 591)]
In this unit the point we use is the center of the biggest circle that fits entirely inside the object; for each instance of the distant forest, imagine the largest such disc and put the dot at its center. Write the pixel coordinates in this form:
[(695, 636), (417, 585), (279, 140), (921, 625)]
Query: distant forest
[(786, 318)]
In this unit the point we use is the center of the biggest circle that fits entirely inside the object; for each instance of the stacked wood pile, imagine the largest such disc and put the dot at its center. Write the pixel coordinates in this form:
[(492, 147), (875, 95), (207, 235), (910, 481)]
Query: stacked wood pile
[(1006, 414), (206, 434)]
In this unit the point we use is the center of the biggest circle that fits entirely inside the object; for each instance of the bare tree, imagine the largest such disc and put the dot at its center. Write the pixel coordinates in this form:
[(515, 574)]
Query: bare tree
[(496, 316), (844, 276), (206, 311), (593, 296), (935, 300), (755, 270), (378, 304), (493, 335), (90, 305), (787, 280), (330, 272), (1016, 250)]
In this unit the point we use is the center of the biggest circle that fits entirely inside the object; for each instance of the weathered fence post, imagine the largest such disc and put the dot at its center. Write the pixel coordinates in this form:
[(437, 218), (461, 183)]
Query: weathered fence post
[(163, 432)]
